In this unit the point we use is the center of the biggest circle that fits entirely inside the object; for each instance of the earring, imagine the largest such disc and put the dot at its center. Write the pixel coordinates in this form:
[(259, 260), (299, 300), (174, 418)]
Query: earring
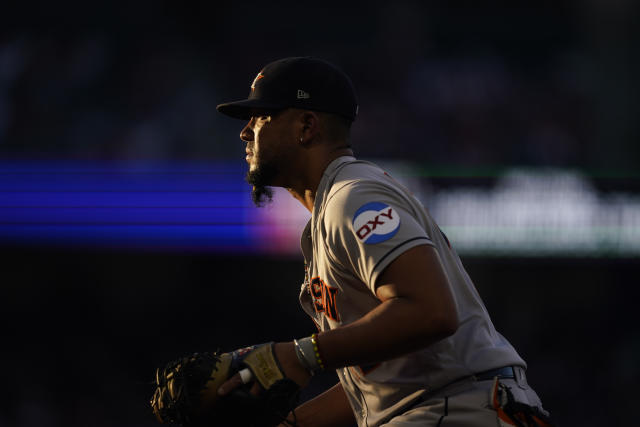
[(300, 139)]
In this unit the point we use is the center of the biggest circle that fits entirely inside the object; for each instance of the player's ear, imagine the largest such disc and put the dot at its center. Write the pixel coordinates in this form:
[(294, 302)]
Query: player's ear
[(310, 126)]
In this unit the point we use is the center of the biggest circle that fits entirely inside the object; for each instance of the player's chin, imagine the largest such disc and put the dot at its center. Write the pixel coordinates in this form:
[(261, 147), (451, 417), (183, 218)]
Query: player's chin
[(261, 174)]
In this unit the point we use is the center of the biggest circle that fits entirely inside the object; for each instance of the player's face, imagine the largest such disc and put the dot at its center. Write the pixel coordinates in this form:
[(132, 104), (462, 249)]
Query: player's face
[(266, 136), (256, 135)]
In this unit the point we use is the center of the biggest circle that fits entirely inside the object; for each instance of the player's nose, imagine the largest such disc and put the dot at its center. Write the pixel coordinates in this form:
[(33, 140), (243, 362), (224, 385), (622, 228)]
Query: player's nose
[(246, 134)]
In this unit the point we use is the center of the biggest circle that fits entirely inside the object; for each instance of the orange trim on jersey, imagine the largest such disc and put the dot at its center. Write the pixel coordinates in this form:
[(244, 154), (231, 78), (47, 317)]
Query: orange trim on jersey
[(521, 419), (315, 288), (496, 405), (330, 303)]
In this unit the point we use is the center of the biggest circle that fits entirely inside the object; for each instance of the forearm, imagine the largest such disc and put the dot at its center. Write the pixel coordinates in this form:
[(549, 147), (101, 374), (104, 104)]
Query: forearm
[(393, 328), (416, 310), (330, 408), (397, 326)]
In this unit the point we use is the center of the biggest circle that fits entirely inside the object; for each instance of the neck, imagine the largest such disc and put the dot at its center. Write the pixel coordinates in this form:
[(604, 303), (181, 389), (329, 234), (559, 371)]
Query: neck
[(305, 190)]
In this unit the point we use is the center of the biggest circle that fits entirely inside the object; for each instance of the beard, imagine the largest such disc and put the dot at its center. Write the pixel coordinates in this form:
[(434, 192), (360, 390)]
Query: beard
[(259, 178)]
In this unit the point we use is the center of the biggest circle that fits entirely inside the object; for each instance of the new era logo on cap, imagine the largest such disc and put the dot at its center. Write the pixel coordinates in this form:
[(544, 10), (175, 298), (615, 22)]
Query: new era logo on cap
[(278, 86)]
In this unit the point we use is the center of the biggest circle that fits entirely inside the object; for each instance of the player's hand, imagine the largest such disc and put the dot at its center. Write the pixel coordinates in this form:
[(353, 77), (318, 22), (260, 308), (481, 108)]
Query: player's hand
[(235, 382), (289, 365)]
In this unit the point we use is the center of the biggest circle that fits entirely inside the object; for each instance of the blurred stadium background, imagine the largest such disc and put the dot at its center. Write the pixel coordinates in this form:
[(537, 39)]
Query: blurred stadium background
[(128, 237)]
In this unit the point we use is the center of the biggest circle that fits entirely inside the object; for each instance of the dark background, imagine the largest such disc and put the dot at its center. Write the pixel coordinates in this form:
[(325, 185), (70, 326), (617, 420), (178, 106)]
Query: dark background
[(453, 85)]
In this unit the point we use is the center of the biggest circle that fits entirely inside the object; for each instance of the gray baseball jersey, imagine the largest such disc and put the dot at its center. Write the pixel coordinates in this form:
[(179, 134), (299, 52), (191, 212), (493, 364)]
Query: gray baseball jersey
[(362, 220)]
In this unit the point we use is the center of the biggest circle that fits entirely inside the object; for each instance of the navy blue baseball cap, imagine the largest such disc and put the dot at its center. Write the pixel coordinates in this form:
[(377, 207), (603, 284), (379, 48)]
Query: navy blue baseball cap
[(298, 82)]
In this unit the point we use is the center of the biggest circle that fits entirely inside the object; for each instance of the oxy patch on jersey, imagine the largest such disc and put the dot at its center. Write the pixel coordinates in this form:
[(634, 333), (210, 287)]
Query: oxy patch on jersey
[(375, 222)]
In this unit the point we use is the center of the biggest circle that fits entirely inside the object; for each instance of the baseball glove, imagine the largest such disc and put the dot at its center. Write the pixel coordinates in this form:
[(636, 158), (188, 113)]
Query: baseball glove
[(187, 390)]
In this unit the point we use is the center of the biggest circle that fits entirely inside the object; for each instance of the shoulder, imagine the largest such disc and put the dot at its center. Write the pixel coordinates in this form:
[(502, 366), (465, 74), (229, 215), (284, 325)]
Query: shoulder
[(354, 176), (359, 185), (353, 180)]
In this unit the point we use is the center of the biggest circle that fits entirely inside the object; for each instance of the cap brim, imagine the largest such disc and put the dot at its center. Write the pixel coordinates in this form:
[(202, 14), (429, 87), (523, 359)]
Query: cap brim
[(244, 109)]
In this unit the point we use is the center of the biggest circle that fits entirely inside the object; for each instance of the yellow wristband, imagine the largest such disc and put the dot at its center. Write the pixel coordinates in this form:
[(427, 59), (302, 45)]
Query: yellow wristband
[(316, 350)]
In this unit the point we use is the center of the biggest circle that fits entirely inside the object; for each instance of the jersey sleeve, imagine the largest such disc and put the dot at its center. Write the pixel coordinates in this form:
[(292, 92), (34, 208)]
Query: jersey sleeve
[(368, 225)]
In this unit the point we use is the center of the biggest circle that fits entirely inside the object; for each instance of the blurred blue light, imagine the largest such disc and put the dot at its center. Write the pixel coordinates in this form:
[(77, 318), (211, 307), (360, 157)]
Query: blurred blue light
[(135, 205), (207, 207)]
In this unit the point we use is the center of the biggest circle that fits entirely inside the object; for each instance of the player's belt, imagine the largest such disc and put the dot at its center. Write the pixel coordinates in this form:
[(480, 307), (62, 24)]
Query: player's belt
[(508, 372), (505, 372)]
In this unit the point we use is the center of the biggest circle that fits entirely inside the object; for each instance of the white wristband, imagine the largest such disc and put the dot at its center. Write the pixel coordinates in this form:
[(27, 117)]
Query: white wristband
[(306, 355), (301, 357)]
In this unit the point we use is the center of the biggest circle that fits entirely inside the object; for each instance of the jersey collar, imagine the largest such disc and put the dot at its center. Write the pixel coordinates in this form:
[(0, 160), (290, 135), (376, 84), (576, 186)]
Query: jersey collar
[(327, 180)]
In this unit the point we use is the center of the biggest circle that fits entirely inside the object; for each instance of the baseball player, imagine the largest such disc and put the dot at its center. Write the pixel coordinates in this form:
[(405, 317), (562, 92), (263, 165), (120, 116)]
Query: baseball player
[(398, 317)]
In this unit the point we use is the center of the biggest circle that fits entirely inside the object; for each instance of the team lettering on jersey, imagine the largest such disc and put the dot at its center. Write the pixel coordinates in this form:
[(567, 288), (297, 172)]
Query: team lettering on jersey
[(324, 298)]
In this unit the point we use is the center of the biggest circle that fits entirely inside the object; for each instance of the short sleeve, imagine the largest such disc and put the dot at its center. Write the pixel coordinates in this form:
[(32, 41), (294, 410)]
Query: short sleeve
[(368, 225)]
